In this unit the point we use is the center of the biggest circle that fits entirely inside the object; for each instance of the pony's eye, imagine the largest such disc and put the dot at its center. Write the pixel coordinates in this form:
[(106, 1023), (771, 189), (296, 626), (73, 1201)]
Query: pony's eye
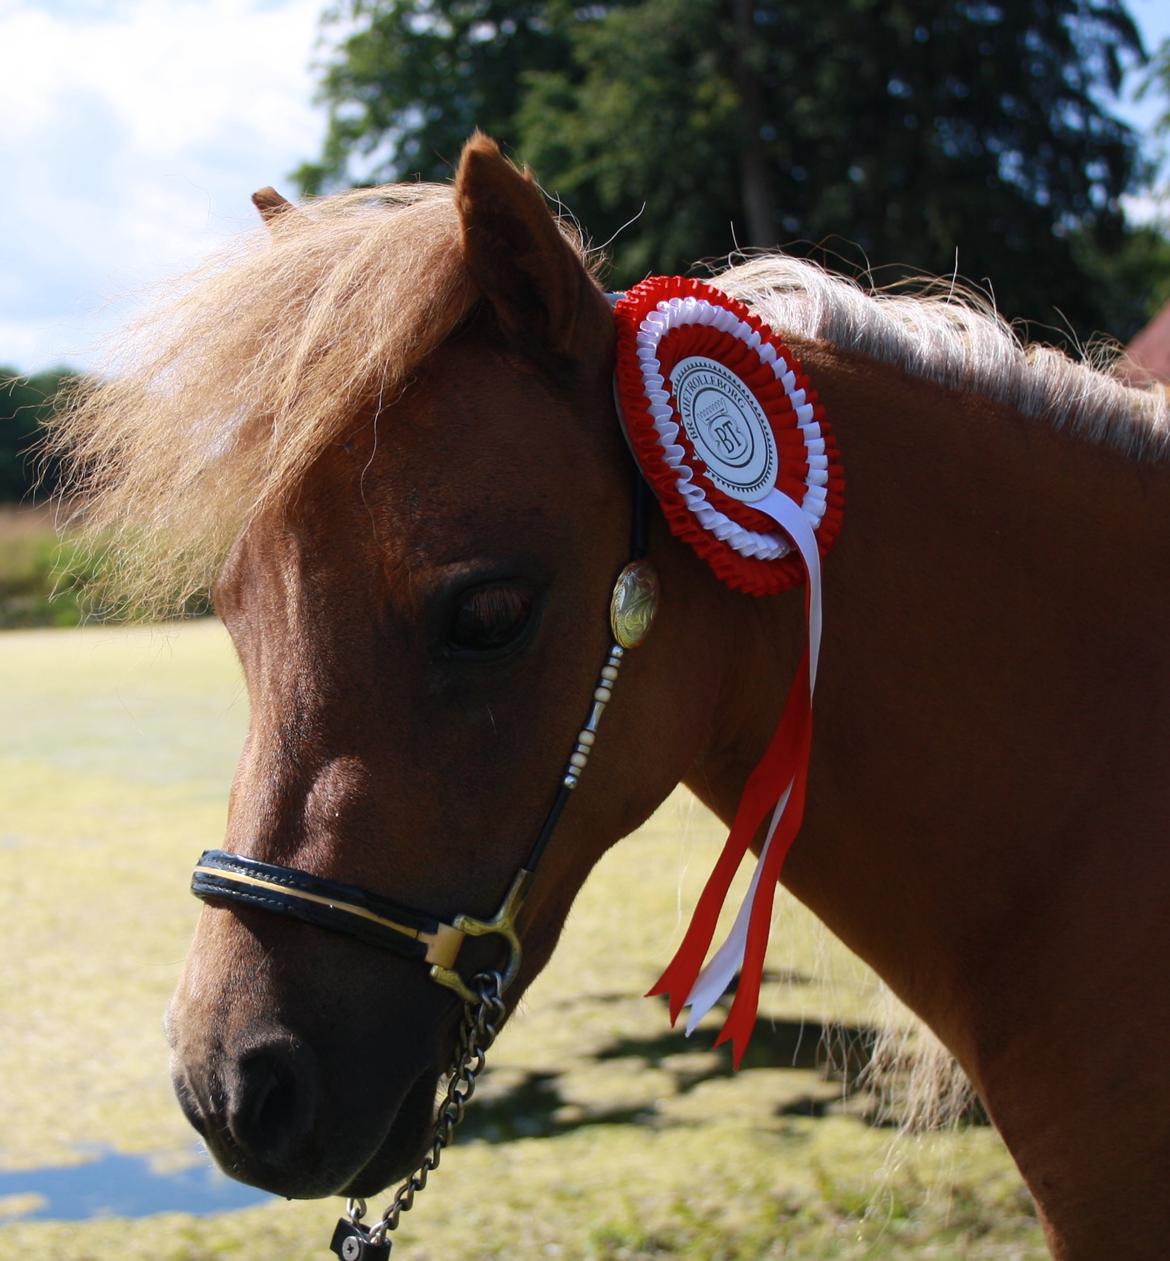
[(490, 619)]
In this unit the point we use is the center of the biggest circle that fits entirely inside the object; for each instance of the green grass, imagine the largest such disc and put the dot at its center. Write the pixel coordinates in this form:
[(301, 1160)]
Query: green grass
[(599, 1134)]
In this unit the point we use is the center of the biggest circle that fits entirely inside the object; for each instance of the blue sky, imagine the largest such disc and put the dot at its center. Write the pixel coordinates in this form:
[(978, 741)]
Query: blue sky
[(134, 132), (1153, 19)]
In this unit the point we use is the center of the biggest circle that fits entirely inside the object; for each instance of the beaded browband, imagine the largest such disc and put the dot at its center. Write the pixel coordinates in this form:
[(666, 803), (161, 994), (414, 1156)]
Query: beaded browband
[(344, 908)]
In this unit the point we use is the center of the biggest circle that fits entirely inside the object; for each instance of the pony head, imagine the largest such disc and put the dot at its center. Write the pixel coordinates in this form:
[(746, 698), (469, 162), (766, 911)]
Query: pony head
[(429, 498)]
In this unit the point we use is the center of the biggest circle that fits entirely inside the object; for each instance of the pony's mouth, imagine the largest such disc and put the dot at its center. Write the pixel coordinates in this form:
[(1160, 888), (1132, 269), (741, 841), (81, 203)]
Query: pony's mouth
[(405, 1144)]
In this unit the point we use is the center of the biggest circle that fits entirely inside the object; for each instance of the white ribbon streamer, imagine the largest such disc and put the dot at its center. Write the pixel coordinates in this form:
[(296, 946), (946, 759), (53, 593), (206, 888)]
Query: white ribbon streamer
[(719, 972)]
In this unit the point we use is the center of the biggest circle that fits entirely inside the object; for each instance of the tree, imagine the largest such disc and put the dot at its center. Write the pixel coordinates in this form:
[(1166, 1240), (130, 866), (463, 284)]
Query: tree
[(25, 402), (903, 133), (1131, 281), (412, 79), (1157, 80)]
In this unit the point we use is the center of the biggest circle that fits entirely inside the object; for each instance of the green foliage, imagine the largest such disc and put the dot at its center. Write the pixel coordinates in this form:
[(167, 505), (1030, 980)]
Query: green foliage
[(1131, 281), (1157, 82), (54, 578), (414, 78), (905, 134), (41, 576), (25, 402)]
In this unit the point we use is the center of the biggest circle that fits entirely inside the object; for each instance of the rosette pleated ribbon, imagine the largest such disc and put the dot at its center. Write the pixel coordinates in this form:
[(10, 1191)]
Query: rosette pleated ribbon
[(729, 434)]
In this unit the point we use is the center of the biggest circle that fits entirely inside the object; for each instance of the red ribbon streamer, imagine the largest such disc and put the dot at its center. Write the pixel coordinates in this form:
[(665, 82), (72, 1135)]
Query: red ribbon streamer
[(785, 762)]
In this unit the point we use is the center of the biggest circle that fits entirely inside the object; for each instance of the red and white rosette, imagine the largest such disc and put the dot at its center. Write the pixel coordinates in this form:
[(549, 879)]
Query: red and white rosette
[(730, 436)]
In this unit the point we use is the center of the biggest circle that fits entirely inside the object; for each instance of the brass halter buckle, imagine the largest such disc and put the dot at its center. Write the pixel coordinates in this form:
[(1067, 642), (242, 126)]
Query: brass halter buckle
[(502, 924)]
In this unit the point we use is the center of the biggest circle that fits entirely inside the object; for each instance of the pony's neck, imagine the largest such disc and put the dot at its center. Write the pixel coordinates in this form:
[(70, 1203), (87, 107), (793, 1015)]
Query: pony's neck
[(980, 804)]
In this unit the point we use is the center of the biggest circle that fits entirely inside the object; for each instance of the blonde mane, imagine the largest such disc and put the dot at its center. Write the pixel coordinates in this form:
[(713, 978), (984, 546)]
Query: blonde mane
[(220, 399), (954, 337), (223, 396)]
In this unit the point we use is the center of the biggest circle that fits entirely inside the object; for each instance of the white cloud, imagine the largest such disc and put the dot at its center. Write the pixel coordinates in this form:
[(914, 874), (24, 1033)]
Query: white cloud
[(133, 133), (1151, 207)]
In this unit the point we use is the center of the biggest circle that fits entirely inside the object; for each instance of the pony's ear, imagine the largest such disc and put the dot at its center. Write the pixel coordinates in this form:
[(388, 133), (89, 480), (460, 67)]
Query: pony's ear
[(270, 203), (529, 273)]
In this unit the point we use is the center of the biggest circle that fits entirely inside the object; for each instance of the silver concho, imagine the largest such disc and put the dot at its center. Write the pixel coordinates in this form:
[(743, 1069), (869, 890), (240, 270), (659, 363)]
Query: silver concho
[(634, 603)]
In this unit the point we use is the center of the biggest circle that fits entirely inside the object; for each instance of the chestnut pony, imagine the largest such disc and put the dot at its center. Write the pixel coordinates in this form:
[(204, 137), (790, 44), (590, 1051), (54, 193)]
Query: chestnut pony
[(395, 421)]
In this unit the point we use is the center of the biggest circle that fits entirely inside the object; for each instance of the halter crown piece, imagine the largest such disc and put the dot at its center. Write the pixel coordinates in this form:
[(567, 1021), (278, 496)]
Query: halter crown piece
[(728, 433)]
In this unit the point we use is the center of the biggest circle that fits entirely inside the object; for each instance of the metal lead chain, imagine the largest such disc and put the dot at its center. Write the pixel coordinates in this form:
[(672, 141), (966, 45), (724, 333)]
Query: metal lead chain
[(481, 1024)]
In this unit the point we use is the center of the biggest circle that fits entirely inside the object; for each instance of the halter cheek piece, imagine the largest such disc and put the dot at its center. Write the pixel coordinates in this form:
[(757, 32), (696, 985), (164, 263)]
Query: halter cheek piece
[(344, 908)]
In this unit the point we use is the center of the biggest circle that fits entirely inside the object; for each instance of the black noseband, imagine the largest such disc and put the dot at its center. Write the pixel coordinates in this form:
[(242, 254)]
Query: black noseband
[(343, 908)]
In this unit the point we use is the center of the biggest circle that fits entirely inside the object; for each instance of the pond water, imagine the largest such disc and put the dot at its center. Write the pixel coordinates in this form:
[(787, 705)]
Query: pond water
[(114, 1185)]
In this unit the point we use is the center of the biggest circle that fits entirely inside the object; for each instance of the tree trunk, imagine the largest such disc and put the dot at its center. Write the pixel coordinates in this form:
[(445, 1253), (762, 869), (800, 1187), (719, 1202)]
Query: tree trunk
[(755, 186)]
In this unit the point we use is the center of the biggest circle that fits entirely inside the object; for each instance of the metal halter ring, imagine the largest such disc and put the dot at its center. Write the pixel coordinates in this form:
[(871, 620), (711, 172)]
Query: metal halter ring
[(502, 924)]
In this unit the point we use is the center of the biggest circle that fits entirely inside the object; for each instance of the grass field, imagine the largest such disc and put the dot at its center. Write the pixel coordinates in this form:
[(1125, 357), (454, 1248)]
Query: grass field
[(600, 1134)]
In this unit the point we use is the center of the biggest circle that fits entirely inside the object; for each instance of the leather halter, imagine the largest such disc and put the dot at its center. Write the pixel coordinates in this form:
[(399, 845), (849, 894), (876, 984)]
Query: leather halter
[(344, 908)]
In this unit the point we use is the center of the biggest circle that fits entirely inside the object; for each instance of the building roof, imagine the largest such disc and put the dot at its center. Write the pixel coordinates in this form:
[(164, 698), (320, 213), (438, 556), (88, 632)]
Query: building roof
[(1147, 357)]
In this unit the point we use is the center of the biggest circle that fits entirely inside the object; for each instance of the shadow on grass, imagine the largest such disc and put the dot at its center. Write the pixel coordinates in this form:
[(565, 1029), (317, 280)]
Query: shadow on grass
[(534, 1104), (533, 1107)]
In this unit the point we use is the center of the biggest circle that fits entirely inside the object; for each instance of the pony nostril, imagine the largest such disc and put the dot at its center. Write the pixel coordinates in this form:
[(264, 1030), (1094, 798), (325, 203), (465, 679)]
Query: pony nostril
[(274, 1103), (190, 1104)]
